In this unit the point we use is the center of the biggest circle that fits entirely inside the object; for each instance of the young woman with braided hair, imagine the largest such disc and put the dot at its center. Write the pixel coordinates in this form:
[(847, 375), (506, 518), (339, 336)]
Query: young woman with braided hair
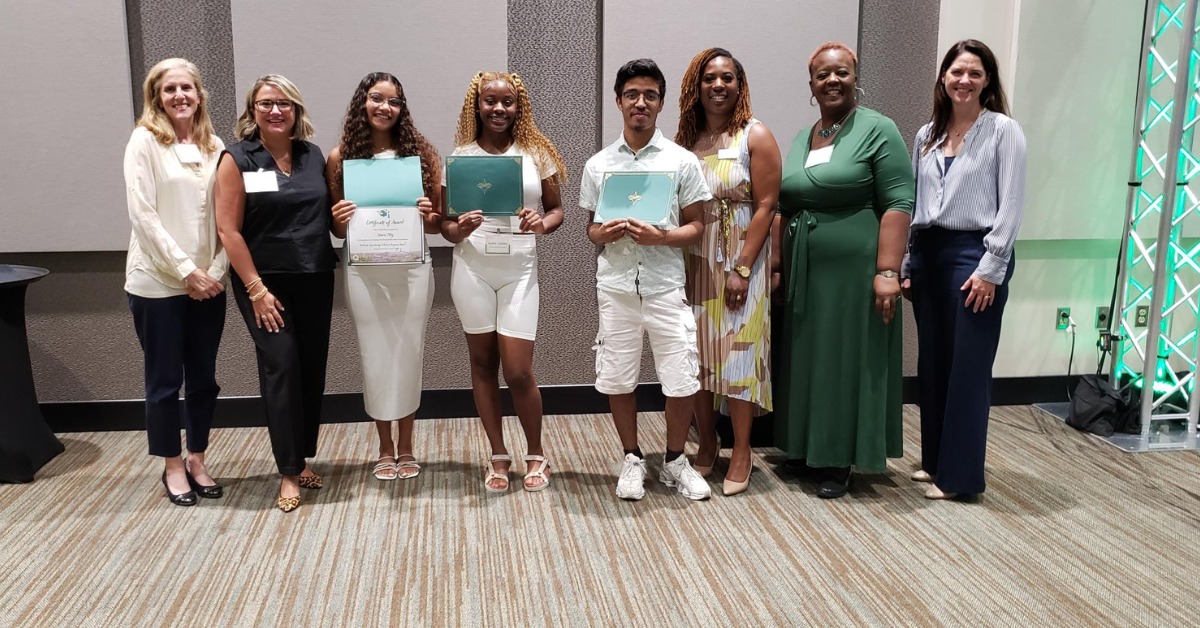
[(729, 270), (389, 304), (495, 290)]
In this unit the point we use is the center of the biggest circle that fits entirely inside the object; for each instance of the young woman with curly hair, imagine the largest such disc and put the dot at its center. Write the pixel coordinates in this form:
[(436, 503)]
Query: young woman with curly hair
[(389, 304), (729, 270), (496, 294)]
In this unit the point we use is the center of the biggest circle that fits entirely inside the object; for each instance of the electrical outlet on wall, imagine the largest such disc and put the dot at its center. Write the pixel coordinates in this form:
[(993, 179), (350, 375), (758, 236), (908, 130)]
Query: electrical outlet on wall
[(1141, 316), (1062, 319)]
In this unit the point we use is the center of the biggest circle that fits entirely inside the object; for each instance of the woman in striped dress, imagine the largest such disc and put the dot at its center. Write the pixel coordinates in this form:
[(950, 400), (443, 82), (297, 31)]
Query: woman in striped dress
[(729, 271)]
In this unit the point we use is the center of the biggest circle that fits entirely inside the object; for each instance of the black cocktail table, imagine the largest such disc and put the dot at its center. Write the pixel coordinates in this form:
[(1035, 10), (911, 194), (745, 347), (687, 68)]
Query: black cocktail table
[(26, 442)]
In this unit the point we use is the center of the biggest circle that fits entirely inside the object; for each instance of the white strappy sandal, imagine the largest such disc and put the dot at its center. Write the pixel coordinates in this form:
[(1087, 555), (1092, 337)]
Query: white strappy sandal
[(495, 475), (540, 473), (381, 469)]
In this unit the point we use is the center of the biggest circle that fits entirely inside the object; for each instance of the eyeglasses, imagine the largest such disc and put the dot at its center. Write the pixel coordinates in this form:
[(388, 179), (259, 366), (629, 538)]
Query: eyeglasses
[(632, 96), (266, 106), (378, 99)]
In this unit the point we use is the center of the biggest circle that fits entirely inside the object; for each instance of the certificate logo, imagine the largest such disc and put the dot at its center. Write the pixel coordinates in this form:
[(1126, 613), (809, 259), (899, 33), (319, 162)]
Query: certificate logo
[(383, 213)]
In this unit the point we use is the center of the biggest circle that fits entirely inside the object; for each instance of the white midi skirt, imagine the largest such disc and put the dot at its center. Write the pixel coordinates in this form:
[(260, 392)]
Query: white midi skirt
[(390, 307)]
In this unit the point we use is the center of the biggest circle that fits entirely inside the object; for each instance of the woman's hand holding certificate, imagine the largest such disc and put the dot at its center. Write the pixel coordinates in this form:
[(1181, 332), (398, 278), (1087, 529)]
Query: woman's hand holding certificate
[(384, 211)]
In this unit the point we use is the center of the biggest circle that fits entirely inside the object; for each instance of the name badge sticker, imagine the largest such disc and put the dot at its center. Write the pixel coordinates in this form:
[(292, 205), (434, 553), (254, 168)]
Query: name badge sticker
[(188, 154), (727, 153), (497, 243), (819, 156), (261, 181)]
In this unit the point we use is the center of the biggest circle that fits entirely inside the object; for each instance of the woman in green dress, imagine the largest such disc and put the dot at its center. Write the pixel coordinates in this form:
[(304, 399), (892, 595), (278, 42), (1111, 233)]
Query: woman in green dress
[(845, 200)]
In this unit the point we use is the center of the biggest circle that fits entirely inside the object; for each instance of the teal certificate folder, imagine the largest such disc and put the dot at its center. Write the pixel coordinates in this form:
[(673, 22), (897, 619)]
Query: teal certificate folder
[(491, 183), (383, 182), (645, 196)]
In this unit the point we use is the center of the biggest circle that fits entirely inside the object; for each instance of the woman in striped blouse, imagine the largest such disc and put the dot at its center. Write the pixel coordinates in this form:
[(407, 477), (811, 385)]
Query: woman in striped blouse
[(969, 162)]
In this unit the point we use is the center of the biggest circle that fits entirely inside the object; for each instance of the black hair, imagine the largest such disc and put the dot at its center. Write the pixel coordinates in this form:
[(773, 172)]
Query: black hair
[(640, 67)]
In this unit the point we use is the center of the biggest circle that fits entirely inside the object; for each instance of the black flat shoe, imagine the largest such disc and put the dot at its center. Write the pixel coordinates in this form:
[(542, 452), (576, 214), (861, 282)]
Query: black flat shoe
[(836, 483), (182, 499), (214, 491)]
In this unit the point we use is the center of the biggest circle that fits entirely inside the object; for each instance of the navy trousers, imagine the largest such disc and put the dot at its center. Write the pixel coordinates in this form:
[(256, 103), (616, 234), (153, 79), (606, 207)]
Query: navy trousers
[(956, 350), (179, 337), (292, 362)]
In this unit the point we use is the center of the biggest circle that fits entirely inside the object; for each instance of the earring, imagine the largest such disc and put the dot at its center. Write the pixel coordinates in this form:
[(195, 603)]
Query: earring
[(860, 93), (812, 101)]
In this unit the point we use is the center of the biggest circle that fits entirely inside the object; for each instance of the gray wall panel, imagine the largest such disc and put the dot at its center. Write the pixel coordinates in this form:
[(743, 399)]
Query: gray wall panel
[(200, 32), (326, 52), (897, 53), (552, 44), (67, 112)]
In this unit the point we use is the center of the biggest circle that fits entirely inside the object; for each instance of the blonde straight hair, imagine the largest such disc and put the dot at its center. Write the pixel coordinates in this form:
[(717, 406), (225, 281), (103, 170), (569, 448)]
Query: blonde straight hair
[(154, 118), (246, 126)]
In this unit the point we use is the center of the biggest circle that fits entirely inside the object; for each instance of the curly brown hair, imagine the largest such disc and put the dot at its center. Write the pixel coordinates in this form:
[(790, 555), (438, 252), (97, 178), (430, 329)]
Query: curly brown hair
[(406, 140), (525, 131), (691, 111)]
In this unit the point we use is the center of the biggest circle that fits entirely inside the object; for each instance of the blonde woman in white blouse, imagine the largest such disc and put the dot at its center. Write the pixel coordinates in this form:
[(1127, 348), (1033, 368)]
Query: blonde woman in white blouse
[(175, 270)]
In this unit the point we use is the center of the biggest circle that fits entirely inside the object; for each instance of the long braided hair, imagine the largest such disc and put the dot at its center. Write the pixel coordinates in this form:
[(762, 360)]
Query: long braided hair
[(406, 140), (691, 111), (525, 132)]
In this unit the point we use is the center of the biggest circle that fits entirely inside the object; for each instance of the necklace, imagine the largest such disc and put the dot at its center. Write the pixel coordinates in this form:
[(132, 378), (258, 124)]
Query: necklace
[(837, 126)]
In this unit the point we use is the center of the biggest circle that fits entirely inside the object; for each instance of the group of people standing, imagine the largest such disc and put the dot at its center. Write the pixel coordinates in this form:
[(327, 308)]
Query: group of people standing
[(837, 233)]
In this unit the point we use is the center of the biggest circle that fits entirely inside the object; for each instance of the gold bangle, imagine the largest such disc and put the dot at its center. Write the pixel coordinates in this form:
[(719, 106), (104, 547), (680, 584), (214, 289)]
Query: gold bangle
[(252, 284), (259, 296)]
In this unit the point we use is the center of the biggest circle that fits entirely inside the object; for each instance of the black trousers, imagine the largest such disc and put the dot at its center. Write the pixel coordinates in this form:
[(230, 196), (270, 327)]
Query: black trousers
[(179, 337), (292, 361), (956, 350)]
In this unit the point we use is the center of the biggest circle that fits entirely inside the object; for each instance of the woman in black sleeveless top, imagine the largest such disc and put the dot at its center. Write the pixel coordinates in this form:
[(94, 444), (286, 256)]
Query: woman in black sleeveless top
[(273, 215)]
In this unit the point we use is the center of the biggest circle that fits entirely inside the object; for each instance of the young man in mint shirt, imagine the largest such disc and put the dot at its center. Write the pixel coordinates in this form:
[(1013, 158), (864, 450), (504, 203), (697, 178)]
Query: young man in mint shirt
[(640, 283)]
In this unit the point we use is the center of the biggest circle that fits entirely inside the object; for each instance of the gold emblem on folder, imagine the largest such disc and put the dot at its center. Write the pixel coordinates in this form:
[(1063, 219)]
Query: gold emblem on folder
[(634, 198), (484, 185)]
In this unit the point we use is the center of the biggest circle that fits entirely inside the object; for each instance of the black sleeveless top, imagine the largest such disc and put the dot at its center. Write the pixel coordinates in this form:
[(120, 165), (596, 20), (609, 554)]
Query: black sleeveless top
[(287, 231)]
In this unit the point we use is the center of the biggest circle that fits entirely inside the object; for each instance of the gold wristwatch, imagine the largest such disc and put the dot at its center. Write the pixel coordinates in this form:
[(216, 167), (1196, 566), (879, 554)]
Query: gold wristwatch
[(744, 271)]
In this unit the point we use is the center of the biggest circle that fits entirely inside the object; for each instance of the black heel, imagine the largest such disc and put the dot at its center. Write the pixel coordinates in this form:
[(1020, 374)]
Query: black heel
[(836, 484), (182, 499), (214, 491)]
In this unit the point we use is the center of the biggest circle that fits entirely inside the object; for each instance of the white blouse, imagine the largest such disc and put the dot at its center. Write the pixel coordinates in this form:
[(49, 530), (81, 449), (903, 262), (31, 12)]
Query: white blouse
[(171, 208)]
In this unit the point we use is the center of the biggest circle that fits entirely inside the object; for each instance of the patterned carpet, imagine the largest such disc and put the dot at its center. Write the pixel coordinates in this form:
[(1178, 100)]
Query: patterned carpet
[(1071, 532)]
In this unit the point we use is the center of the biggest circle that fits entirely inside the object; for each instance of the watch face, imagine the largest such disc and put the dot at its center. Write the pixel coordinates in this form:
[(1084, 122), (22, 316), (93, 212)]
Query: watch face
[(743, 271)]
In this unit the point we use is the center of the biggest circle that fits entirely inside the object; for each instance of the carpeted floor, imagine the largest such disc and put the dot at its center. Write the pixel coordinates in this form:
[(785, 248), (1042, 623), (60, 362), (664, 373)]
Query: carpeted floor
[(1070, 532)]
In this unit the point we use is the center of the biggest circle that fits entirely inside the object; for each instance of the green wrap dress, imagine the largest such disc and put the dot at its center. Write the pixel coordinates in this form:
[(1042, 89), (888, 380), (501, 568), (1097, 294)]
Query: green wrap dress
[(839, 389)]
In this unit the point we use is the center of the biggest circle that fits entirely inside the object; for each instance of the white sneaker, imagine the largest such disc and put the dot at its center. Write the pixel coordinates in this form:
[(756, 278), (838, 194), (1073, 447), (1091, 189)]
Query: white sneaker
[(633, 477), (679, 473)]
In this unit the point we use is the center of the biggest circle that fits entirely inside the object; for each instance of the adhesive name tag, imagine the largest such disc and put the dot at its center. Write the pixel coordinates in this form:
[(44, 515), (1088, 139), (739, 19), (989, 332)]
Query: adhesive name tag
[(497, 243), (819, 156), (261, 181), (188, 153), (727, 153)]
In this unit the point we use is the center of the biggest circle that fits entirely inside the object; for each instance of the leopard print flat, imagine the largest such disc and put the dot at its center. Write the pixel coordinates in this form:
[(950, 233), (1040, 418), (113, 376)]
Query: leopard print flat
[(287, 504), (309, 481)]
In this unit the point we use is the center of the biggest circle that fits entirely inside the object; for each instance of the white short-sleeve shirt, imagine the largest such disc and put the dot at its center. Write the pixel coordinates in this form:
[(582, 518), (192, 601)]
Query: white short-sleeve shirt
[(625, 266)]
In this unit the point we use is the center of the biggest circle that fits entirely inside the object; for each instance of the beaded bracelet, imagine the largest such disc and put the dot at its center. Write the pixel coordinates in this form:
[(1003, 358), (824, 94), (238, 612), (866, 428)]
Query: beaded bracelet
[(258, 296)]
